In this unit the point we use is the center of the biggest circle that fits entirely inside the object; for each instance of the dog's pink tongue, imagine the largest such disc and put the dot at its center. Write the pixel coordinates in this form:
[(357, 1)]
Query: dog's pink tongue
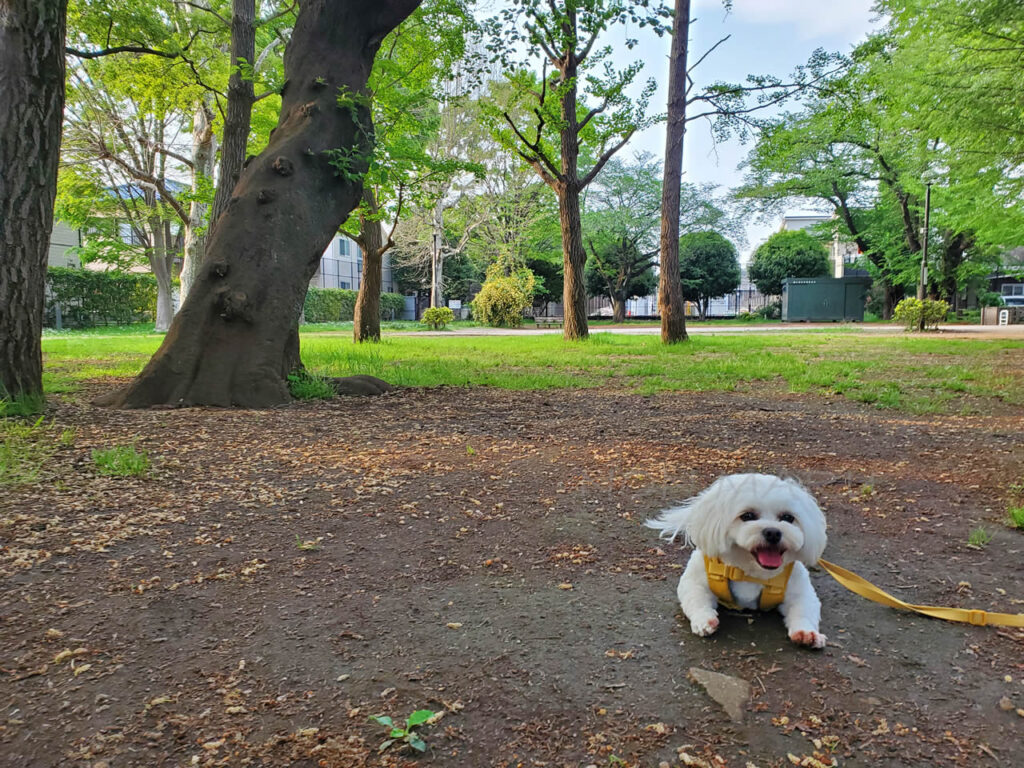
[(769, 558)]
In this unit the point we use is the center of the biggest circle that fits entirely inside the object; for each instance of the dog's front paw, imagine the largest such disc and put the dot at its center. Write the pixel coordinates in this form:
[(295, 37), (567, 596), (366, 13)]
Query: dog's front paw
[(808, 637), (704, 626)]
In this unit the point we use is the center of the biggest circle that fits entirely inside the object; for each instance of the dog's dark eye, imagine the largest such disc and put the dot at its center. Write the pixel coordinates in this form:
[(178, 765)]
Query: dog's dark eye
[(748, 515), (785, 517)]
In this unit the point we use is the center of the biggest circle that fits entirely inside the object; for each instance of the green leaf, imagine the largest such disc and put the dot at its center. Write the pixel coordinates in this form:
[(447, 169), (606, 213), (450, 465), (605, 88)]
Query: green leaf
[(417, 743), (419, 717), (397, 733), (382, 720), (384, 745)]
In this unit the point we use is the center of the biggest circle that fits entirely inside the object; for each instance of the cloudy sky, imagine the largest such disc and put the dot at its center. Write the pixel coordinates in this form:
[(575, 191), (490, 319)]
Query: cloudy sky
[(766, 36)]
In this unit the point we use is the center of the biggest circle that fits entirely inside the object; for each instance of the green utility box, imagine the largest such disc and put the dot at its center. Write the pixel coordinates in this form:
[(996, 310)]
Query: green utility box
[(824, 299)]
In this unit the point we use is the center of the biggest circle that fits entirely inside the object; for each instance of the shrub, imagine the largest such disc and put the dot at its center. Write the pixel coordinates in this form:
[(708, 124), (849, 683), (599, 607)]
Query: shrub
[(88, 298), (308, 386), (121, 460), (391, 306), (437, 317), (503, 298), (915, 313), (772, 311), (333, 305)]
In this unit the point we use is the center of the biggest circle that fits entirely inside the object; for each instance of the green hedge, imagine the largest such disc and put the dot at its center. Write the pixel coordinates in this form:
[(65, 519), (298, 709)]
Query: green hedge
[(332, 305), (88, 298)]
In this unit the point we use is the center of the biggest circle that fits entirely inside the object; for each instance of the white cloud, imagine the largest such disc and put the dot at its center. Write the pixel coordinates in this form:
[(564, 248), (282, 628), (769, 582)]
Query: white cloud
[(810, 19)]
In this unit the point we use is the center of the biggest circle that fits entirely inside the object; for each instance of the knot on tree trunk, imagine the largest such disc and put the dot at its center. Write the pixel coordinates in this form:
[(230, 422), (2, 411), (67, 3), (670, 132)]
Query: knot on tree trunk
[(265, 196), (233, 305), (218, 269), (309, 109), (283, 166)]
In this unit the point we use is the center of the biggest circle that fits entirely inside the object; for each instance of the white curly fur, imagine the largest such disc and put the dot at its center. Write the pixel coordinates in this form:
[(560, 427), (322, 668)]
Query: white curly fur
[(779, 510)]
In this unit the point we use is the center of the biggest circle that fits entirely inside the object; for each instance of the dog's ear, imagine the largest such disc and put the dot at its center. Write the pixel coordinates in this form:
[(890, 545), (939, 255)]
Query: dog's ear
[(812, 523), (709, 515)]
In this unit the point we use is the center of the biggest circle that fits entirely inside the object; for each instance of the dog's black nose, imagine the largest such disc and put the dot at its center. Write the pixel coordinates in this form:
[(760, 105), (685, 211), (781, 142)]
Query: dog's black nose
[(772, 535)]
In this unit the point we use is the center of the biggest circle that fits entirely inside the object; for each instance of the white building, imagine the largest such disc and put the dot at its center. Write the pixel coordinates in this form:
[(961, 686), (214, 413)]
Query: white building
[(842, 253), (341, 266)]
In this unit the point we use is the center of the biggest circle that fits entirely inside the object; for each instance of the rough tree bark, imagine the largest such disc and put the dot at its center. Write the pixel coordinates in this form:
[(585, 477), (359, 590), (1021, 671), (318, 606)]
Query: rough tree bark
[(241, 97), (204, 150), (670, 290), (618, 310), (366, 325), (32, 99), (574, 289), (236, 338)]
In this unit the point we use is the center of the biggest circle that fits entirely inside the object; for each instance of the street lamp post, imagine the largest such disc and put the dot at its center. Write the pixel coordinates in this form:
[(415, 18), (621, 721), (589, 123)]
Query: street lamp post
[(923, 280)]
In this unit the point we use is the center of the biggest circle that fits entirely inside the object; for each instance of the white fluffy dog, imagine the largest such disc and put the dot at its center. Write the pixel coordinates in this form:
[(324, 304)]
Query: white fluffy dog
[(753, 535)]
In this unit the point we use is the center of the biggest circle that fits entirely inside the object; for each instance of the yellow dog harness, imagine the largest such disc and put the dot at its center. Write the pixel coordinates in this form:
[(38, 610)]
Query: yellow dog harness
[(719, 575)]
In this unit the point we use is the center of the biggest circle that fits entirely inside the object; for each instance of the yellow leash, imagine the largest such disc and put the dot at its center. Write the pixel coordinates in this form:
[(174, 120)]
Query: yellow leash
[(865, 588)]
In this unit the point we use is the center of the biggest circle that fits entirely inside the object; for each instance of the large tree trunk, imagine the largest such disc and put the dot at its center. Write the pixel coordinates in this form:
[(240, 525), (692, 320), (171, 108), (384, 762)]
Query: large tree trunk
[(241, 97), (204, 149), (366, 325), (574, 256), (670, 290), (236, 338), (31, 109), (574, 291)]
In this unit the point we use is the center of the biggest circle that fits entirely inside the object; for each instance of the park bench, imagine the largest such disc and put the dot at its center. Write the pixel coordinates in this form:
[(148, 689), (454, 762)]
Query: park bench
[(548, 322)]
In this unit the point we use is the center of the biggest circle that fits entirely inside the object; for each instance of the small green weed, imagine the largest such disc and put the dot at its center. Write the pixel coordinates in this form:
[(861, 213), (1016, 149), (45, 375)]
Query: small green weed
[(24, 448), (308, 386), (25, 404), (470, 451), (121, 461), (979, 538), (406, 735), (1016, 515), (307, 544)]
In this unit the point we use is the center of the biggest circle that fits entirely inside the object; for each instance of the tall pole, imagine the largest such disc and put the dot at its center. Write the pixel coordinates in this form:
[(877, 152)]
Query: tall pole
[(923, 280)]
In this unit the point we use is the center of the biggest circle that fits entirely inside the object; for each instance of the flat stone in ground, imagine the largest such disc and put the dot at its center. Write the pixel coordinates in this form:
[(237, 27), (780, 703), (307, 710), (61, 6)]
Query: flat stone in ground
[(732, 693)]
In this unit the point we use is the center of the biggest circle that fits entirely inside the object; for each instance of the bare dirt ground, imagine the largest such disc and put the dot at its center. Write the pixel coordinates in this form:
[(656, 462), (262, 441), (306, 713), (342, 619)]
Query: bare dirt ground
[(280, 576)]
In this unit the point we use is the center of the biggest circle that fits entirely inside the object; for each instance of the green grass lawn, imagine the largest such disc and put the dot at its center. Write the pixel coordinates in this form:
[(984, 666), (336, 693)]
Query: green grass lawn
[(915, 373)]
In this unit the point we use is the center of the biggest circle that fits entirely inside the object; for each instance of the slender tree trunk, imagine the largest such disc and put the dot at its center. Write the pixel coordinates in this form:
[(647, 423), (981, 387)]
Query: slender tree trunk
[(618, 309), (366, 325), (893, 294), (159, 263), (670, 290), (204, 149), (31, 109), (236, 338), (241, 97), (574, 292)]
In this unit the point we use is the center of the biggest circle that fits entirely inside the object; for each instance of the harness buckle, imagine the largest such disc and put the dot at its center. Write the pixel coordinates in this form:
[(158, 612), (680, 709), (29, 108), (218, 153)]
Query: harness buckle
[(977, 618)]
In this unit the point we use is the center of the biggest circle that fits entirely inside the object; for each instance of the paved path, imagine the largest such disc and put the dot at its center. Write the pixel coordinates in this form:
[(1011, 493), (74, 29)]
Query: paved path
[(946, 331)]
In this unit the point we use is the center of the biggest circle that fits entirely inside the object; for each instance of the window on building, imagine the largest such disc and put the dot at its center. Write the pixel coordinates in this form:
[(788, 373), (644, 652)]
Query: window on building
[(345, 285), (1013, 289), (343, 246), (128, 234)]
